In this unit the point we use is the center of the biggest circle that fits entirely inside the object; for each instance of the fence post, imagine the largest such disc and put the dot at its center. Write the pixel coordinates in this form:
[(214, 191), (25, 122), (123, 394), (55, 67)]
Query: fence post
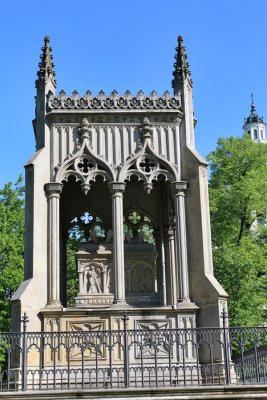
[(24, 320), (226, 346), (126, 354)]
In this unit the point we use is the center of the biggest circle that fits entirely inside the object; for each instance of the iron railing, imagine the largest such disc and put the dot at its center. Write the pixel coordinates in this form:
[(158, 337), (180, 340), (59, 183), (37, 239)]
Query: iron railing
[(132, 358)]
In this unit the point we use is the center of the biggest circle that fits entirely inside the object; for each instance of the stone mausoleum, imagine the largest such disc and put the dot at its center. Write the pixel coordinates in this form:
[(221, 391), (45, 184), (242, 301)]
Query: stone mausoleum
[(120, 174)]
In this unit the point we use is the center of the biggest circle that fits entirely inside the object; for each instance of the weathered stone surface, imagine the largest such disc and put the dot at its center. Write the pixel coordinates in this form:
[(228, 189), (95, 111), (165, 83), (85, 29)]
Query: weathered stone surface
[(128, 162)]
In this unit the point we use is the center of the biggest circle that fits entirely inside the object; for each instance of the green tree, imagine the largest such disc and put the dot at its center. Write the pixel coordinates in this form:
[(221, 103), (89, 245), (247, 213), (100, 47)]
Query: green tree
[(72, 278), (238, 202), (11, 247)]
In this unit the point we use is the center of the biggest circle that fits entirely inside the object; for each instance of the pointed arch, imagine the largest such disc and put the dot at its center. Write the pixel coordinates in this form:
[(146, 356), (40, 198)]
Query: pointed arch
[(146, 164), (83, 165)]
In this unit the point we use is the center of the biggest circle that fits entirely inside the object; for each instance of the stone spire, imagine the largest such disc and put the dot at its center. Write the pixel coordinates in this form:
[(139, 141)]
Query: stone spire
[(45, 84), (182, 85), (46, 73), (181, 66)]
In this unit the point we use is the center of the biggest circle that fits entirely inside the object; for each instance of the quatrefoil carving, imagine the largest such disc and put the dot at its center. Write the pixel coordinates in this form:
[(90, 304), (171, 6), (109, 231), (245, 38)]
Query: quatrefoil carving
[(147, 164), (85, 164)]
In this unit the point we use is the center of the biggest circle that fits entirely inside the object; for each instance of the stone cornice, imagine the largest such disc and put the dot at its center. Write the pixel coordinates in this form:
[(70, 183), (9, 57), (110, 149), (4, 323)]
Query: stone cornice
[(126, 102)]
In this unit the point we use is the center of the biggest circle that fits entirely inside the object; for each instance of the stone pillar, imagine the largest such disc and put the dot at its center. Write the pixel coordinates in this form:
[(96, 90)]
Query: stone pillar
[(161, 271), (53, 191), (117, 190), (172, 263), (179, 189)]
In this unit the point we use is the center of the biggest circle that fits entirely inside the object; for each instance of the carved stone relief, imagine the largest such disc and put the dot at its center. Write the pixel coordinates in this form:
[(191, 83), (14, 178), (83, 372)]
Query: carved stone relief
[(150, 344), (140, 273), (95, 276), (142, 278), (89, 345)]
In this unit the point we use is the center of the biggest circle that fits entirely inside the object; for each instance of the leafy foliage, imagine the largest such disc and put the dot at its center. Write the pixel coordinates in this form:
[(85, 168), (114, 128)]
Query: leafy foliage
[(72, 279), (238, 200), (11, 246)]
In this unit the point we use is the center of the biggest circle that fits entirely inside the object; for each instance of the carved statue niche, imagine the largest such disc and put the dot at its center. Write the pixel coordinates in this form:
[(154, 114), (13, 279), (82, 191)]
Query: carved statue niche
[(94, 265)]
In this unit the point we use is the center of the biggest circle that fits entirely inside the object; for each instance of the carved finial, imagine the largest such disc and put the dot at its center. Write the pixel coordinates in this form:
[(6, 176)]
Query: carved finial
[(84, 128), (146, 129), (181, 66), (46, 66)]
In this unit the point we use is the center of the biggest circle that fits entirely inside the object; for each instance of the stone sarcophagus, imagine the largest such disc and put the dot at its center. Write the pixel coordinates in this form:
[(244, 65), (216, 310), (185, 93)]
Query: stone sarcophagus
[(96, 275)]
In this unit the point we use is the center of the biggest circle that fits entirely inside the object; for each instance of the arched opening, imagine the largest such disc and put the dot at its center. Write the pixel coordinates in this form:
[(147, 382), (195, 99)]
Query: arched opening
[(84, 219), (87, 271), (86, 227)]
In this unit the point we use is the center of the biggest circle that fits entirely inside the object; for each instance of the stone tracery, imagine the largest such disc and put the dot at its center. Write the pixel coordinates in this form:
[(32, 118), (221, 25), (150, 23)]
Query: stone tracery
[(83, 165)]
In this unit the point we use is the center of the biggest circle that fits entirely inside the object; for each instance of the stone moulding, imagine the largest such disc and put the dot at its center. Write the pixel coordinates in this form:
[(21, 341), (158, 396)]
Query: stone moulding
[(113, 102)]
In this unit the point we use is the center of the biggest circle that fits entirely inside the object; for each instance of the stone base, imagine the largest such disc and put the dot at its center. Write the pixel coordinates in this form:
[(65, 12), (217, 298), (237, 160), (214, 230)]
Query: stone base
[(167, 393), (94, 300), (111, 317), (143, 300)]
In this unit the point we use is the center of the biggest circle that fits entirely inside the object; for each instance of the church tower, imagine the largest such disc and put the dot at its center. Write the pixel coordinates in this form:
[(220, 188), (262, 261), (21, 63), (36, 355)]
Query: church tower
[(254, 125)]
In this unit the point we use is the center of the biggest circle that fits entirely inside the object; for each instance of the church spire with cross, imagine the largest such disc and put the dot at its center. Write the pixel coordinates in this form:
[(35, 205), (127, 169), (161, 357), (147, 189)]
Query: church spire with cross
[(254, 125)]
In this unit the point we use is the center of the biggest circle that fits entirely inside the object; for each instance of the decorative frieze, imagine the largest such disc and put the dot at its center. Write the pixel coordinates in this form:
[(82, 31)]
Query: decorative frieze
[(114, 102), (158, 118)]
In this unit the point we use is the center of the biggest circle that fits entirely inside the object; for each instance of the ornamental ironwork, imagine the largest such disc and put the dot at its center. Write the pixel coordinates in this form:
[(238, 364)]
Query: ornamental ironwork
[(90, 356)]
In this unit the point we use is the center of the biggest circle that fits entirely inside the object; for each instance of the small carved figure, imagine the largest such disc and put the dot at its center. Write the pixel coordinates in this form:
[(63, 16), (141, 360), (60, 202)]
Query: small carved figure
[(93, 281)]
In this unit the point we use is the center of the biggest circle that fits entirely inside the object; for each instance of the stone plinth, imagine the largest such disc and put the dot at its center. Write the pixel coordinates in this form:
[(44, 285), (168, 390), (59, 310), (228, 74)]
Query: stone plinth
[(95, 271), (141, 274)]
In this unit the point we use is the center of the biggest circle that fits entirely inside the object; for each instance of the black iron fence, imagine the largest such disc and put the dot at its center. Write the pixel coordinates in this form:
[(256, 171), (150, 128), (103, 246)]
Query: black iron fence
[(132, 358)]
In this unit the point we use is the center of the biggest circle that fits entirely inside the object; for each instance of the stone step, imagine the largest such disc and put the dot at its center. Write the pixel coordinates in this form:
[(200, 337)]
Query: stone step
[(249, 392)]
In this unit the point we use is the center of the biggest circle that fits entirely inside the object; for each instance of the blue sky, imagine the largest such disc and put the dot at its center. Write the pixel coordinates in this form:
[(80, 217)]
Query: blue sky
[(123, 45)]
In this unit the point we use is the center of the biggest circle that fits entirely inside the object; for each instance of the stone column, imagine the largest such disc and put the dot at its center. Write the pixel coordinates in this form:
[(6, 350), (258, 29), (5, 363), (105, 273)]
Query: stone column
[(53, 191), (161, 270), (179, 189), (172, 262), (117, 190)]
